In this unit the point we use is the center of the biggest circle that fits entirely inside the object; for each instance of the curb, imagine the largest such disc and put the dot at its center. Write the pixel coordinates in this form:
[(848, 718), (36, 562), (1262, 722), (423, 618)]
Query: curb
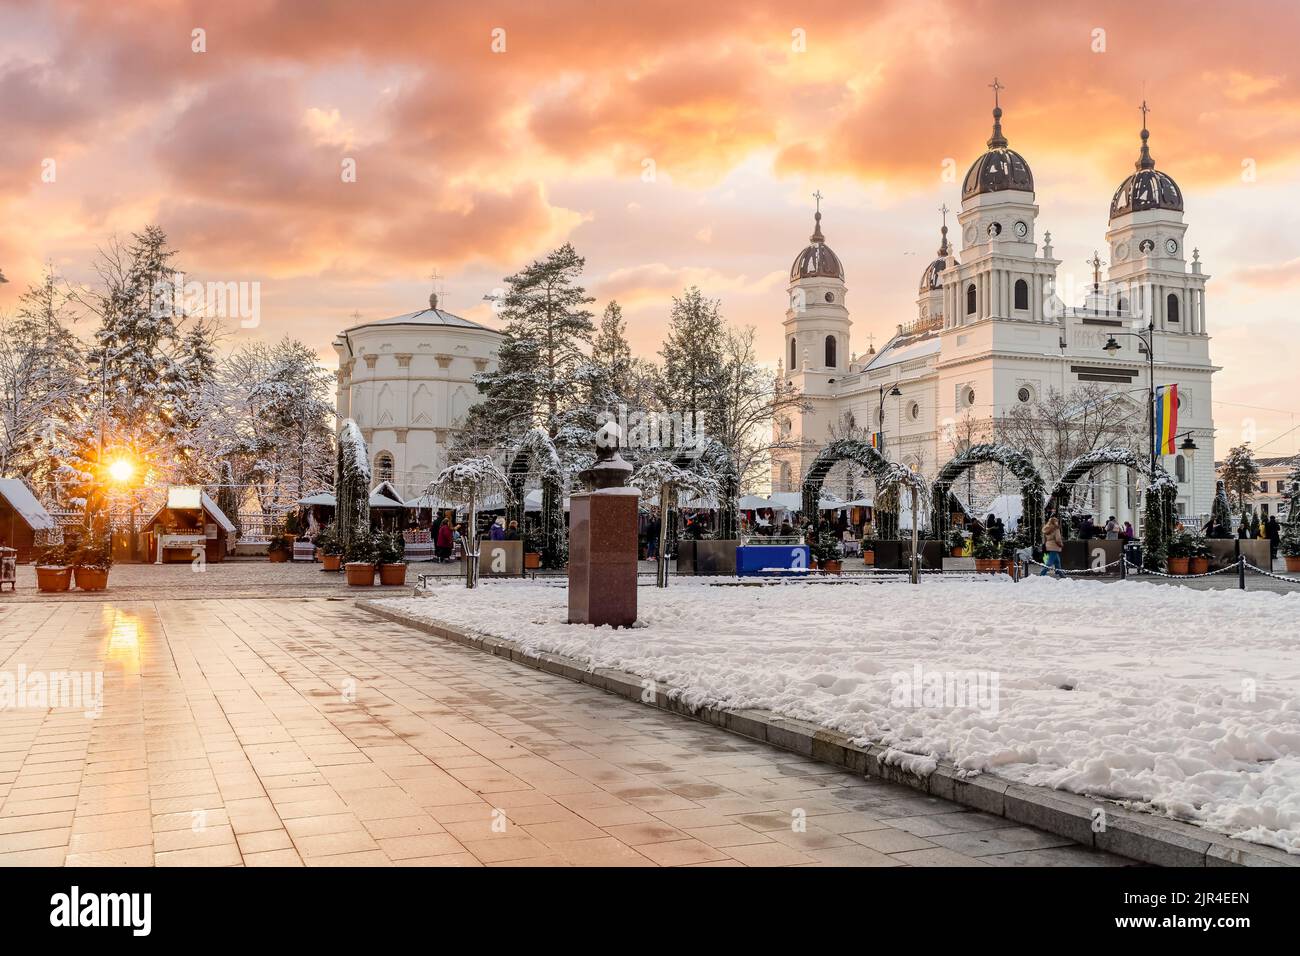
[(1139, 836)]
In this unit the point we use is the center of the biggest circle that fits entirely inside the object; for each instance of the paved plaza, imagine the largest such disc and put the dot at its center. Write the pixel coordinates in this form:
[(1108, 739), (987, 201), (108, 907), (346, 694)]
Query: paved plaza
[(305, 731)]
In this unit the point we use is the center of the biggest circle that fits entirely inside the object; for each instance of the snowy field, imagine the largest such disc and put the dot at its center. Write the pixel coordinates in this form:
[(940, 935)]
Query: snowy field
[(1181, 702)]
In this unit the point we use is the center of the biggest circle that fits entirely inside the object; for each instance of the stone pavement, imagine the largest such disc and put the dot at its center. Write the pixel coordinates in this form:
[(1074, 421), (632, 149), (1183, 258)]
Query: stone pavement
[(287, 732)]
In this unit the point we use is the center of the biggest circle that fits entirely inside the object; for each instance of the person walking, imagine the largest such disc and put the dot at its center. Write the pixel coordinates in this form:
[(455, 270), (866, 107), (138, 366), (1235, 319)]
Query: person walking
[(652, 538), (1053, 543), (444, 539), (1112, 529), (1273, 531)]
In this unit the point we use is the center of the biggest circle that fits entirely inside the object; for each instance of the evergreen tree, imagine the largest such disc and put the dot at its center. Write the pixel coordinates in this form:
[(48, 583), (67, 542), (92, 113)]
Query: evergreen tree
[(1240, 474), (693, 356), (198, 402), (612, 364), (542, 365)]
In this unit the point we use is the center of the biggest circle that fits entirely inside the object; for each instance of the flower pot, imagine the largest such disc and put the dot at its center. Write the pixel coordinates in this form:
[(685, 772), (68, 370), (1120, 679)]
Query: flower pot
[(1177, 565), (956, 552), (277, 556), (532, 560), (90, 579), (869, 558), (331, 562), (1198, 565), (391, 574), (812, 565), (1292, 562), (988, 565), (831, 567), (360, 575), (53, 578)]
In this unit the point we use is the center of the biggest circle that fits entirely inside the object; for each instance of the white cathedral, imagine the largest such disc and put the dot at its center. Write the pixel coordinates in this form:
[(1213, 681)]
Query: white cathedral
[(990, 331)]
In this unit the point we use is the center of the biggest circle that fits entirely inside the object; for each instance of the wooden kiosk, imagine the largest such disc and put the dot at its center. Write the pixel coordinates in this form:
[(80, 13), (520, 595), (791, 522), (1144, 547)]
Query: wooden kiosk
[(189, 520)]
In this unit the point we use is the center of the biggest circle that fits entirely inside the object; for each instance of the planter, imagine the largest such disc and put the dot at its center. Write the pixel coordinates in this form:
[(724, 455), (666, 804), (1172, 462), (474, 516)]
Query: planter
[(391, 574), (1292, 562), (532, 560), (90, 579), (1198, 565), (360, 575), (277, 556), (988, 565), (831, 567), (812, 565), (956, 552), (1177, 565), (331, 562), (869, 558), (53, 578)]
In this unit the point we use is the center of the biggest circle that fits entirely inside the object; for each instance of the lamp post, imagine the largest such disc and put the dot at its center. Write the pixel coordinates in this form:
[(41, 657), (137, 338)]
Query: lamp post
[(880, 413), (1147, 338), (1188, 448)]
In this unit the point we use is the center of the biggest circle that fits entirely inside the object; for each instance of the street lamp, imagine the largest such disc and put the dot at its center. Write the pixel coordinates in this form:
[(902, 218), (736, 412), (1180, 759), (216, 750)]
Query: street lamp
[(880, 414), (1147, 339)]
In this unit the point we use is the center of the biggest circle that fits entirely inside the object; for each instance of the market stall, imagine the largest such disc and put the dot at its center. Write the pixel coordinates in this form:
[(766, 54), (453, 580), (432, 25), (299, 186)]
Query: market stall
[(24, 522), (189, 521)]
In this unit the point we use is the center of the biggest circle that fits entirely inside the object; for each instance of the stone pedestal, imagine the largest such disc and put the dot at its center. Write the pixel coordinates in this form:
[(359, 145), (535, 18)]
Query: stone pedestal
[(602, 557)]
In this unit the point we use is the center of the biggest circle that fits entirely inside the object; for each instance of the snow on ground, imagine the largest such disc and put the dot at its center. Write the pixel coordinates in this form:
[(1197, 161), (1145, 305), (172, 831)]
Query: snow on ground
[(1182, 702)]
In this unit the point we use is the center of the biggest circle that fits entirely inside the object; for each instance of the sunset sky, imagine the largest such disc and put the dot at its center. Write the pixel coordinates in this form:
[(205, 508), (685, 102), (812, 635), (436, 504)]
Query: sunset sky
[(473, 162)]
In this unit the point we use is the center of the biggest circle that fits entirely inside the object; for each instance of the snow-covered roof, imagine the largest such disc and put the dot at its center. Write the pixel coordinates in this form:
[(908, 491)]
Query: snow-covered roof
[(385, 495), (320, 498), (22, 500), (438, 317), (905, 351), (209, 508)]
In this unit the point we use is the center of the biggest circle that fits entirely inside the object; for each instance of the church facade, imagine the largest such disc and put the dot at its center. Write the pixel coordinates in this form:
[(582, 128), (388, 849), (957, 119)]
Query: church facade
[(991, 332), (407, 381)]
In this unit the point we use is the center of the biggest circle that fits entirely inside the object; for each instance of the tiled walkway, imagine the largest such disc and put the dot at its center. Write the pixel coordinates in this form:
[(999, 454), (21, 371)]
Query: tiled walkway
[(277, 732)]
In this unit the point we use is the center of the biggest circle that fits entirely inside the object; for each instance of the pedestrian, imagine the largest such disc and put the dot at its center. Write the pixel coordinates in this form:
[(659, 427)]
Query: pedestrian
[(512, 533), (1088, 530), (1272, 531), (652, 538), (1127, 533), (444, 539), (1053, 543), (498, 532), (999, 529), (1112, 529)]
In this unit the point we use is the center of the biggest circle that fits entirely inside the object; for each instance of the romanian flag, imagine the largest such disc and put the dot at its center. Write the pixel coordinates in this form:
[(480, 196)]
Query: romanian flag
[(875, 440), (1166, 418)]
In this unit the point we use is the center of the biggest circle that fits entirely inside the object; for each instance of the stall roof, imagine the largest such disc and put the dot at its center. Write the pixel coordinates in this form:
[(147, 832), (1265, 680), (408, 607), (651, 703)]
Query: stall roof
[(209, 508), (320, 498), (752, 502), (22, 500), (386, 495), (793, 501)]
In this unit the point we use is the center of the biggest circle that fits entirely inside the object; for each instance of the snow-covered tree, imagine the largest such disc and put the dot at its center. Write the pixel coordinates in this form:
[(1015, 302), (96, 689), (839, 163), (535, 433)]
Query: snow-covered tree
[(693, 355), (352, 485)]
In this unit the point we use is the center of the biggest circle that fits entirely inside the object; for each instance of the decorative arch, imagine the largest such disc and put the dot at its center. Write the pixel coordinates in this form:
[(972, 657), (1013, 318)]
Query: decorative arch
[(1031, 484), (536, 452), (1084, 465), (842, 449)]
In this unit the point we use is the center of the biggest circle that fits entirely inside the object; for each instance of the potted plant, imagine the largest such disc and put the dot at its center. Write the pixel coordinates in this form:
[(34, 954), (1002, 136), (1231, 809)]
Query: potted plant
[(532, 549), (956, 543), (93, 560), (280, 548), (987, 554), (293, 527), (1009, 547), (52, 570), (1179, 552), (1289, 544), (829, 552), (360, 557), (329, 549), (391, 550), (1198, 562)]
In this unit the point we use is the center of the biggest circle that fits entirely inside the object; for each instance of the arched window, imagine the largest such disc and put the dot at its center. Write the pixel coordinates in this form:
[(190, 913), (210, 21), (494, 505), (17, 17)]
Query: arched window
[(384, 466), (1121, 304), (1022, 294), (793, 362), (830, 351), (1180, 469), (1171, 307), (970, 299)]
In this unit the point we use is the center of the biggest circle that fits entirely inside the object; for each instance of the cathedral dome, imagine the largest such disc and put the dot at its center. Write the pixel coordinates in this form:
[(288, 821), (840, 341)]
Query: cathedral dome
[(1146, 188), (932, 277), (999, 169), (817, 259)]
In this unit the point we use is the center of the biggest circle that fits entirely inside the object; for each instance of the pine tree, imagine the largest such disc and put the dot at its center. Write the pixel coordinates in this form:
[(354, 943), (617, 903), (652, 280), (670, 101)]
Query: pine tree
[(611, 360), (198, 398), (542, 365), (1240, 474), (693, 355)]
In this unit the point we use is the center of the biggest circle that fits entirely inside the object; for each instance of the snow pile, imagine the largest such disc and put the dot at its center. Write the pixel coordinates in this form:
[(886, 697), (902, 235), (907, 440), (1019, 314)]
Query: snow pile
[(1185, 703)]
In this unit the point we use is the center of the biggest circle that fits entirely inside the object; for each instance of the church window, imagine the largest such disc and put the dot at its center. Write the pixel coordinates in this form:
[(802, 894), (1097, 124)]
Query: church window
[(1022, 294), (914, 411), (970, 299), (830, 296), (1024, 395), (1180, 469), (1121, 304), (1171, 307), (830, 351), (384, 466), (793, 363), (970, 396)]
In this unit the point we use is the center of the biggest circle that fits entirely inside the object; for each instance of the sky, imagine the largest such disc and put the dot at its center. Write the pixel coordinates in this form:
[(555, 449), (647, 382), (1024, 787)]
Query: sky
[(672, 143)]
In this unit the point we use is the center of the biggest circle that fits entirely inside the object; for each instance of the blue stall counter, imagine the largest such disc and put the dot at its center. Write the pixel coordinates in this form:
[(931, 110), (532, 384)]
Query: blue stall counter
[(772, 560)]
